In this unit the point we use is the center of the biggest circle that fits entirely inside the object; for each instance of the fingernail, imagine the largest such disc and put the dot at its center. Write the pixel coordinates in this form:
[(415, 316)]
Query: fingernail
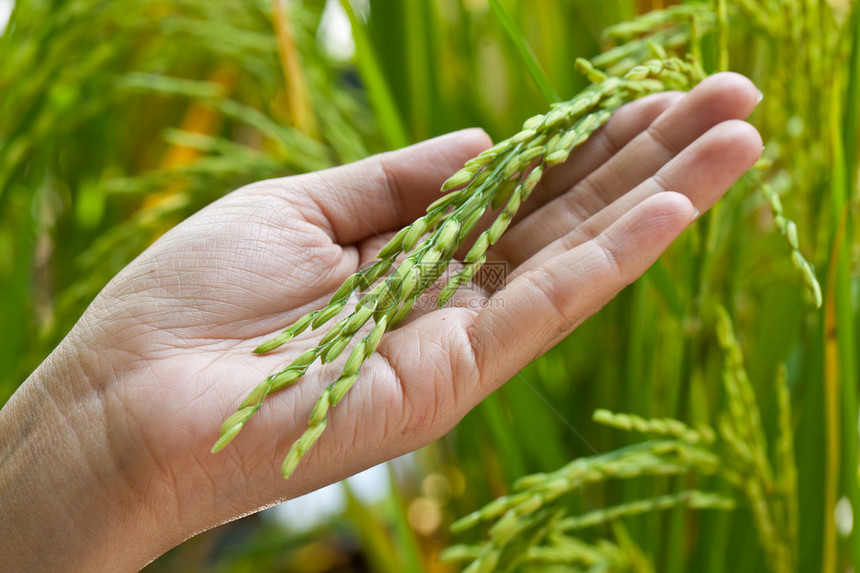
[(696, 214), (760, 97)]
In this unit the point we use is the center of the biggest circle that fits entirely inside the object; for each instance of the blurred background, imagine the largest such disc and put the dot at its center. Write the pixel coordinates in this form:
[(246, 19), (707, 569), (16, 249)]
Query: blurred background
[(120, 118)]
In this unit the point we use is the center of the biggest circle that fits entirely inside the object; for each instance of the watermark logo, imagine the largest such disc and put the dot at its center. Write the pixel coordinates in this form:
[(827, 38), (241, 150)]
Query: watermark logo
[(491, 278), (494, 275)]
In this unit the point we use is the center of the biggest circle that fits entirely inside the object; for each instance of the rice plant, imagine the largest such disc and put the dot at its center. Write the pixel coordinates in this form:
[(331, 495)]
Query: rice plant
[(533, 524), (117, 120)]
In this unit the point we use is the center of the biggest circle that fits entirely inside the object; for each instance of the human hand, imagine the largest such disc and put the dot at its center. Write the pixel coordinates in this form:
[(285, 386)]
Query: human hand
[(163, 355)]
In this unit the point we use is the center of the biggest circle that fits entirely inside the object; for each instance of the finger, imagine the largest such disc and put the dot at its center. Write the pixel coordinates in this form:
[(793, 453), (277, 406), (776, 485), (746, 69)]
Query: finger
[(702, 172), (626, 123), (449, 360), (719, 98), (399, 185), (549, 301), (383, 192)]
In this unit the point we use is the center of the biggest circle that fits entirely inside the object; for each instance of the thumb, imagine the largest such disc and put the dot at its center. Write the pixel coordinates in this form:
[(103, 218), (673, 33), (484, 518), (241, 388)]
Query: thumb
[(387, 191)]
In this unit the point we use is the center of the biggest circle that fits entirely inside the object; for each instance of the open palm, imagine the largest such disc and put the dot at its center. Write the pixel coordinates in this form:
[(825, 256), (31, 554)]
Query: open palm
[(174, 331)]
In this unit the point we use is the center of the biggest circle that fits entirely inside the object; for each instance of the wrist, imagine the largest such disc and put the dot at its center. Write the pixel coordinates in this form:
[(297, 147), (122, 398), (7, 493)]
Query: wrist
[(71, 498)]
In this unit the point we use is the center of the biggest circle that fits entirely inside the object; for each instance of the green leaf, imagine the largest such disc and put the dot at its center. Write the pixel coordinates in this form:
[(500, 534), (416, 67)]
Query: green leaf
[(526, 54)]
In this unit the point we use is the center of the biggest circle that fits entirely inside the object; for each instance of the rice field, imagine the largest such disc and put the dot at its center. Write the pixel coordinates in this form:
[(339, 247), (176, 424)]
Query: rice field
[(706, 420)]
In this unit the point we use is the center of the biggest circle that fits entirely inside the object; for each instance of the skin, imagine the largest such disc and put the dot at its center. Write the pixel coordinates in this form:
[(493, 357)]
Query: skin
[(104, 458)]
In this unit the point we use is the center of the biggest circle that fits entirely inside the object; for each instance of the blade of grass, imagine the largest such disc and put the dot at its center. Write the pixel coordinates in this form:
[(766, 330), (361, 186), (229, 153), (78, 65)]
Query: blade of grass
[(542, 443), (405, 539), (526, 54), (387, 114), (378, 547), (832, 412), (665, 285), (417, 40), (387, 31), (852, 104), (840, 377), (722, 36), (811, 477), (504, 439), (843, 289)]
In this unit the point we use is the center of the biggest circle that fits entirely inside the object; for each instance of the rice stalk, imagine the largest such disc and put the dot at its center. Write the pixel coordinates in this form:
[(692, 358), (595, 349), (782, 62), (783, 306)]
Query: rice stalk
[(676, 28), (535, 513), (527, 523), (692, 499), (786, 463), (788, 229), (771, 499), (666, 427)]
